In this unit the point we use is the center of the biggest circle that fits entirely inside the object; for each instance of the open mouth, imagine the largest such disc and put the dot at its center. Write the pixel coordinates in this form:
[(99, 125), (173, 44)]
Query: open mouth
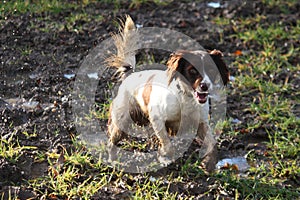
[(201, 96)]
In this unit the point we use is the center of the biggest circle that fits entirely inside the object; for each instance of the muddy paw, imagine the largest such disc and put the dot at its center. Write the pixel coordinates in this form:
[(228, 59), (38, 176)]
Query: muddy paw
[(210, 160), (112, 153), (165, 160)]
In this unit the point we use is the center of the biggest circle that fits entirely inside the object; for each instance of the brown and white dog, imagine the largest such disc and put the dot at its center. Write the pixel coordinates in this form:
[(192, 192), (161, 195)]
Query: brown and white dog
[(160, 97)]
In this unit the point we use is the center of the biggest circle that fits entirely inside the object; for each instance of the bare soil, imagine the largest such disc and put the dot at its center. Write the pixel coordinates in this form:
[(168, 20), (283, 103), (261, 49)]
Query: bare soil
[(36, 54)]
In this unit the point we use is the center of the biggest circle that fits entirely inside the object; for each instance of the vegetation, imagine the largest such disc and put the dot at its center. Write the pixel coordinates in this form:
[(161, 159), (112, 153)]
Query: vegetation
[(265, 73)]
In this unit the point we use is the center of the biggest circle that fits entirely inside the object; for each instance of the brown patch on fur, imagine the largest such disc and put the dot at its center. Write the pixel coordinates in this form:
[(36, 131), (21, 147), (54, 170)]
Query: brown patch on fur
[(181, 61), (114, 133), (137, 114), (126, 42), (173, 64), (147, 90), (172, 127), (197, 83), (109, 115), (217, 55)]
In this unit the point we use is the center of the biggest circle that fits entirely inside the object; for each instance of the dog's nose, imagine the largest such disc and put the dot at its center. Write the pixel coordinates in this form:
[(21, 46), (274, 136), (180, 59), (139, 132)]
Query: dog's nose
[(204, 87)]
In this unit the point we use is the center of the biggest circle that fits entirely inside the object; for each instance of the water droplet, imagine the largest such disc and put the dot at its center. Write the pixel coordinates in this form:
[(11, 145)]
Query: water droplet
[(236, 121), (93, 75), (69, 76), (139, 25), (232, 78), (214, 4)]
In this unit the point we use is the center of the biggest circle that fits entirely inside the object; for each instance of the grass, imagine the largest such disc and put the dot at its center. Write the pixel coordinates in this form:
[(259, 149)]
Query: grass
[(273, 32), (255, 188), (58, 6), (75, 173), (19, 6), (257, 72), (278, 3), (11, 150)]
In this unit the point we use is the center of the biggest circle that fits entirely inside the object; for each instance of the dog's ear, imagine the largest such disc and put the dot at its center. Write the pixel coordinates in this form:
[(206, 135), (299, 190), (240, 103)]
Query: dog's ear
[(217, 55), (175, 64)]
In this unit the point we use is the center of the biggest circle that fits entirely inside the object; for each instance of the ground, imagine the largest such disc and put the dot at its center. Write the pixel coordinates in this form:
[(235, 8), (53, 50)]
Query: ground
[(42, 47)]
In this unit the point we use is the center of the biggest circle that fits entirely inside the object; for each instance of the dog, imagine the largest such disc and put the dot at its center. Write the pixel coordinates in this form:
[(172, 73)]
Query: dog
[(166, 99)]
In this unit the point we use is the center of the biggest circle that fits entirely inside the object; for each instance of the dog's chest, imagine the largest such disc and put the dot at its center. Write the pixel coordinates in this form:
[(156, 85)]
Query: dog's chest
[(160, 101)]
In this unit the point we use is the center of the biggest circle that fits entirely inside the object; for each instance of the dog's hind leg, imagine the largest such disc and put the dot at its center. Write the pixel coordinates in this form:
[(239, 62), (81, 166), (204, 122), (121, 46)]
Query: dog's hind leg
[(117, 124), (115, 135)]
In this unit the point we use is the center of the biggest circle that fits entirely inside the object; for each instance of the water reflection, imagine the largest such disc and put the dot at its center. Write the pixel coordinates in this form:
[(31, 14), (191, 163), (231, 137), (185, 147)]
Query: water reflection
[(240, 162)]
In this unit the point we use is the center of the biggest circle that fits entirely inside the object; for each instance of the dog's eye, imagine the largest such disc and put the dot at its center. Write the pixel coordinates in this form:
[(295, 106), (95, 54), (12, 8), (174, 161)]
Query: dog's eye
[(193, 71)]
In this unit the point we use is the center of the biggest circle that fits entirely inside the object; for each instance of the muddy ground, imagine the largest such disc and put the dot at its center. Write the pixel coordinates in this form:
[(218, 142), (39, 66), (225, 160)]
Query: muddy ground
[(39, 51)]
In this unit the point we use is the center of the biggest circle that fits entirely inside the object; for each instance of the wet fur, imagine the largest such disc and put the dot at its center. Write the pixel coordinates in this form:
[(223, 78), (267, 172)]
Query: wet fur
[(141, 101)]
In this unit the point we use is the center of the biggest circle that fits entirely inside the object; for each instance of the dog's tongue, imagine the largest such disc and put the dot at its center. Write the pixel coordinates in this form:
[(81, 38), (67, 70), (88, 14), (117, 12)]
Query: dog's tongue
[(201, 97)]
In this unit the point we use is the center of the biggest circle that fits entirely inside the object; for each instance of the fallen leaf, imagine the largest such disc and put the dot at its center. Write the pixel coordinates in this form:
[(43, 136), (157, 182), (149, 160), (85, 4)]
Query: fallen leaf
[(238, 53), (235, 167)]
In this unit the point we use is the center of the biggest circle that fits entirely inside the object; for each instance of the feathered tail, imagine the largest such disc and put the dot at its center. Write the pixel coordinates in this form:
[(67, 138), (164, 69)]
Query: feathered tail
[(126, 42)]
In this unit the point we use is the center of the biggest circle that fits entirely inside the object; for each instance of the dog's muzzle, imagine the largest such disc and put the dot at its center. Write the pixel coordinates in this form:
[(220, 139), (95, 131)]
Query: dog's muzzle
[(202, 95)]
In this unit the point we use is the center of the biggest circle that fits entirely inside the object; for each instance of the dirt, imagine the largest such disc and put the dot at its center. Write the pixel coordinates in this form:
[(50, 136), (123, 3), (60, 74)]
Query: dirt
[(35, 91)]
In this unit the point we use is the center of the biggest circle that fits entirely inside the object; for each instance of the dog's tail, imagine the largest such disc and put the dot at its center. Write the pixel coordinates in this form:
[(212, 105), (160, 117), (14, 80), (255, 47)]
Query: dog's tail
[(126, 42)]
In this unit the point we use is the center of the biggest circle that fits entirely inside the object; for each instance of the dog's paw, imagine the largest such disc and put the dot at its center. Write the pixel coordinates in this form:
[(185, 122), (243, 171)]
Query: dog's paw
[(210, 160), (165, 160), (166, 155), (112, 153)]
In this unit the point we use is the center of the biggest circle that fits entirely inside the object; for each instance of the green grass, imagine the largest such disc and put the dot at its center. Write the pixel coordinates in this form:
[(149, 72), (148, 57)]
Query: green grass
[(75, 173), (270, 104), (11, 150), (20, 6), (57, 6), (138, 3), (279, 3), (255, 188), (273, 32)]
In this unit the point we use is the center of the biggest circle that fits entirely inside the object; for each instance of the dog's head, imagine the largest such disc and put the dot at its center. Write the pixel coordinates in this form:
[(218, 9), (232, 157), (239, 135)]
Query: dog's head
[(196, 67)]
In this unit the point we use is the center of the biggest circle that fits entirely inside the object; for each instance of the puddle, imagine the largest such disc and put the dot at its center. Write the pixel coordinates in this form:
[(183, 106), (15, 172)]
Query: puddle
[(139, 26), (69, 76), (240, 162), (214, 4), (236, 121), (93, 75)]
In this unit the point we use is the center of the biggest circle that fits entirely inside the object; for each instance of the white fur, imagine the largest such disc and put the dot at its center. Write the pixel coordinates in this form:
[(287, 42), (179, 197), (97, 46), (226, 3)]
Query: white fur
[(167, 102), (171, 101)]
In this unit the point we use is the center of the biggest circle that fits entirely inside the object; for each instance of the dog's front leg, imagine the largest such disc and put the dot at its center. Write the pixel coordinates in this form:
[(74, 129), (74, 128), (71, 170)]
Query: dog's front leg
[(166, 150), (209, 151)]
